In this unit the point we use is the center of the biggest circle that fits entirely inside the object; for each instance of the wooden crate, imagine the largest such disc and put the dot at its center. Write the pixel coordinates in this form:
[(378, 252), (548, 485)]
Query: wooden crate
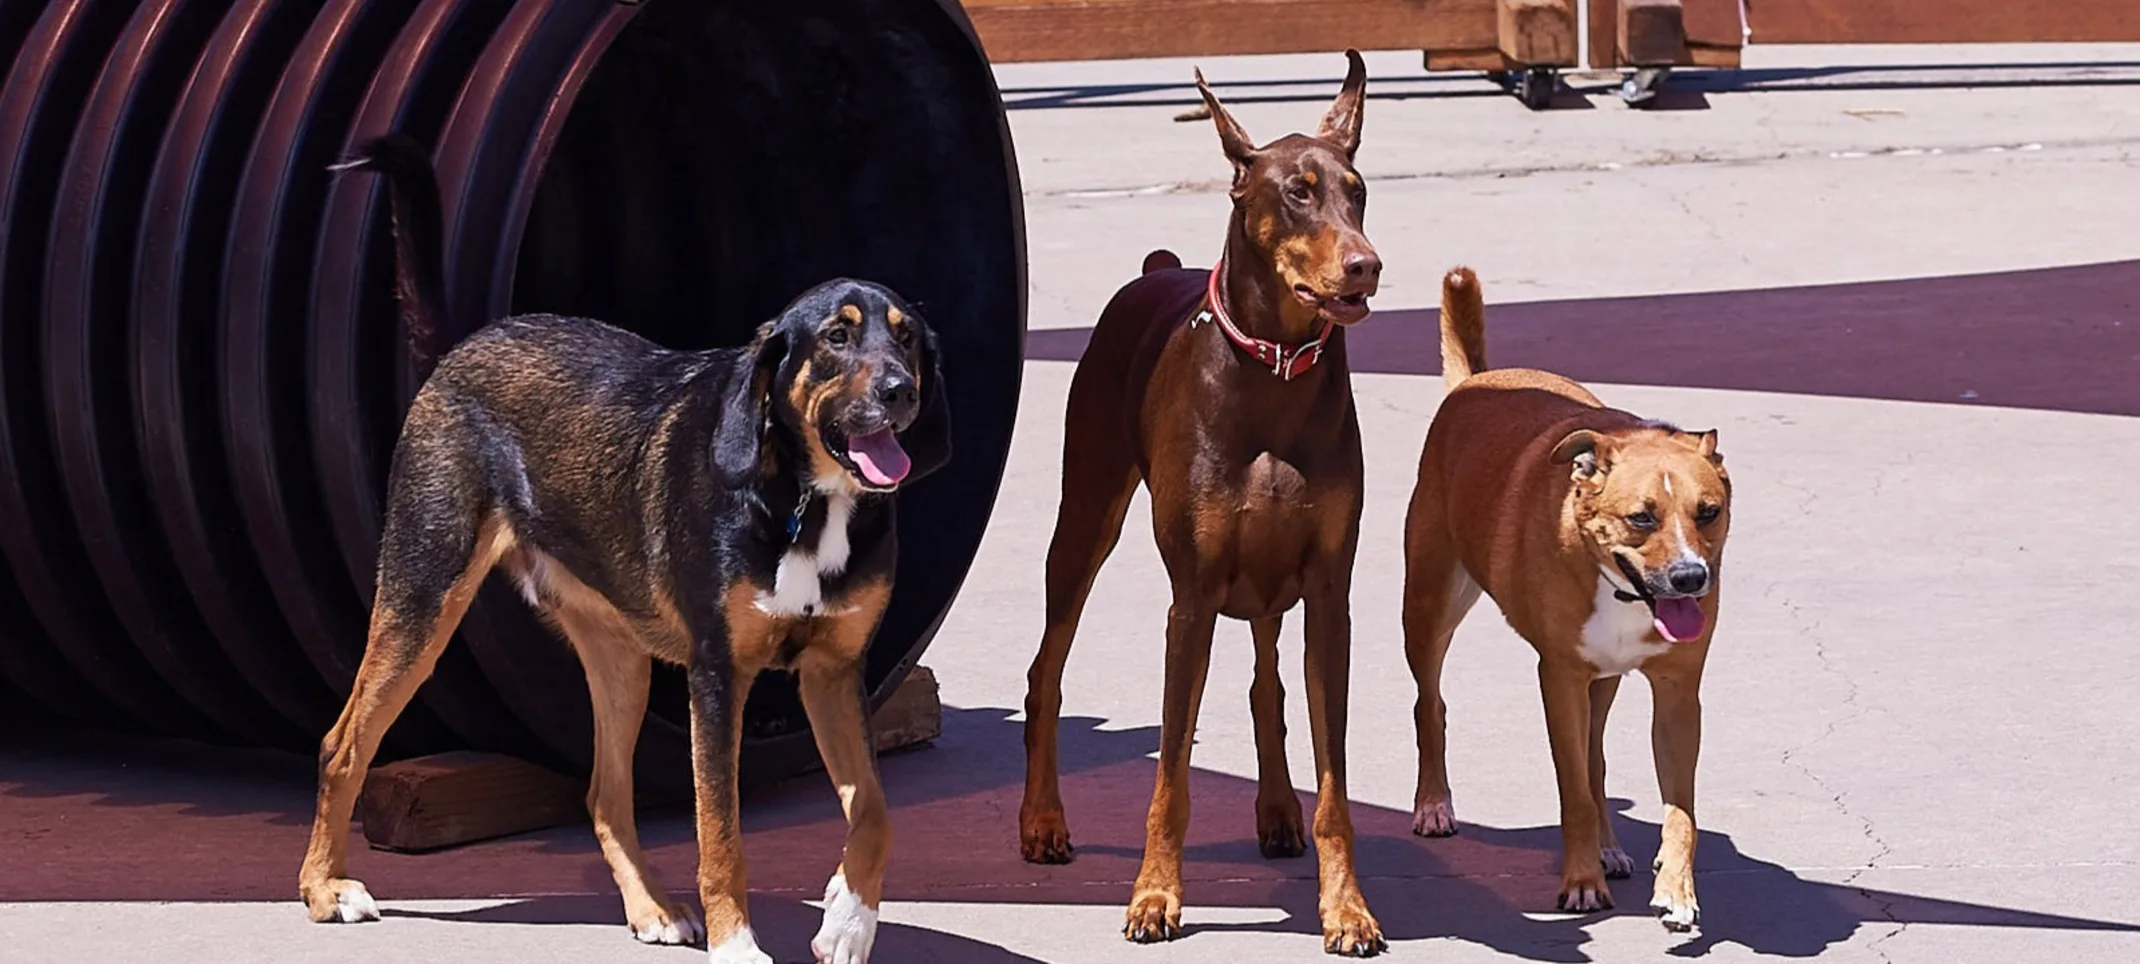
[(1943, 21)]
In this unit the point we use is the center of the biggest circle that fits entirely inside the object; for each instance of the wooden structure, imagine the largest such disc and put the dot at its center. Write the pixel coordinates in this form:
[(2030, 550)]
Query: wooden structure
[(1530, 39)]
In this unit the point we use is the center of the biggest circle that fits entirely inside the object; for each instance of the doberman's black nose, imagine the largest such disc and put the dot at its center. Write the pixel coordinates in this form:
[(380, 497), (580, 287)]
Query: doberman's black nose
[(1688, 578), (1363, 264)]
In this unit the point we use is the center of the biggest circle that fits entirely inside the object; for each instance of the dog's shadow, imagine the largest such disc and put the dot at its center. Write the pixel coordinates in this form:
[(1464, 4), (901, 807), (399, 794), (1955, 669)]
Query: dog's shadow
[(783, 926)]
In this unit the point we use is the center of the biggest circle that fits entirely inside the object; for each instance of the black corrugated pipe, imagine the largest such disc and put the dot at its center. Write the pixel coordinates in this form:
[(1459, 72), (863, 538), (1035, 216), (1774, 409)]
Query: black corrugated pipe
[(201, 372)]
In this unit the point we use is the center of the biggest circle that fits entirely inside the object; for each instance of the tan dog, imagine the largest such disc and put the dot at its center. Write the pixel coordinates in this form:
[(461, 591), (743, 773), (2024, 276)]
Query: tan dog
[(1601, 537)]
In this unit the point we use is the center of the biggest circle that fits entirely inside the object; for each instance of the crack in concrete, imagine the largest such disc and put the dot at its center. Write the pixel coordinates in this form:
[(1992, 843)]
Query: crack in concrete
[(1839, 799)]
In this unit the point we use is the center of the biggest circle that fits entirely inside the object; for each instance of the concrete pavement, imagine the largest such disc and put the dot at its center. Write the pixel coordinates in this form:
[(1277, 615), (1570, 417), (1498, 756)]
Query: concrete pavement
[(1920, 739)]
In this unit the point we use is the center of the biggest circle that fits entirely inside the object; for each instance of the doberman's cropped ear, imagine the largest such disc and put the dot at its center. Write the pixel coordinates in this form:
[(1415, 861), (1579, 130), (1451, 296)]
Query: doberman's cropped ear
[(741, 433), (1586, 449), (928, 440), (1342, 125), (1232, 138)]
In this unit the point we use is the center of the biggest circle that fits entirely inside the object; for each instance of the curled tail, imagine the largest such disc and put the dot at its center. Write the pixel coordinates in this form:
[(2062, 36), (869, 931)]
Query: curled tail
[(1463, 327), (1160, 260), (419, 239)]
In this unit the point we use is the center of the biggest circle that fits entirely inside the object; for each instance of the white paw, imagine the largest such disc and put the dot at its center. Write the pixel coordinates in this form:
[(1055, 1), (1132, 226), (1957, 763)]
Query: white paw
[(685, 931), (1676, 914), (1435, 818), (849, 928), (352, 903), (1617, 863), (740, 948)]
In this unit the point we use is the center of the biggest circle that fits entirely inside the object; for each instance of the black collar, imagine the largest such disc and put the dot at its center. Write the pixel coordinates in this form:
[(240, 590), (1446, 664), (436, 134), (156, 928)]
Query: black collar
[(1641, 593)]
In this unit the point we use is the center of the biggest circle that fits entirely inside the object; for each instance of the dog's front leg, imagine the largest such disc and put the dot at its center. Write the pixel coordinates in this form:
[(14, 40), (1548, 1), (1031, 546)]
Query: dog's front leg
[(1676, 740), (1348, 927), (832, 695), (1566, 689), (719, 687), (1155, 909)]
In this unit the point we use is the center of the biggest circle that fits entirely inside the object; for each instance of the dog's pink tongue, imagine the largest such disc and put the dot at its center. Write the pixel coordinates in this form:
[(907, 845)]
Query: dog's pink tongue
[(1679, 619), (879, 457)]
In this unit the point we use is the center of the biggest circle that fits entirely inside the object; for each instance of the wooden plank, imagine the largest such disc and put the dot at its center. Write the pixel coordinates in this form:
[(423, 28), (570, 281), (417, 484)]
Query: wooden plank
[(1036, 30), (1652, 33), (448, 799), (1604, 34), (1490, 59), (1537, 32), (1943, 21)]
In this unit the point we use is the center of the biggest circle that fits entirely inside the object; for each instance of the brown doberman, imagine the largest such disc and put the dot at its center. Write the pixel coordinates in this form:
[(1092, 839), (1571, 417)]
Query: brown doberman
[(1226, 392)]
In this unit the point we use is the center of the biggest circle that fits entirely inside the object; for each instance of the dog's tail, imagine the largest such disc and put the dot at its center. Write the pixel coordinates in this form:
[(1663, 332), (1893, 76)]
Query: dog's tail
[(1160, 260), (1463, 327), (419, 239)]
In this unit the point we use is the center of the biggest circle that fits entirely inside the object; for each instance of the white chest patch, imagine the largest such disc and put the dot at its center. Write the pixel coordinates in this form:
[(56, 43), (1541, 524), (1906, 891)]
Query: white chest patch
[(1618, 635), (798, 585)]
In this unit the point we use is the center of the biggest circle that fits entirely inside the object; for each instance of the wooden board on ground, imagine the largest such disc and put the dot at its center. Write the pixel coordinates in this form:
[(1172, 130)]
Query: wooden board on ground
[(1032, 30), (448, 799)]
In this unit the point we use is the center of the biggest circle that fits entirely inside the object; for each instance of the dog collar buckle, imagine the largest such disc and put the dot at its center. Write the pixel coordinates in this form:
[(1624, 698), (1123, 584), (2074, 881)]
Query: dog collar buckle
[(795, 519)]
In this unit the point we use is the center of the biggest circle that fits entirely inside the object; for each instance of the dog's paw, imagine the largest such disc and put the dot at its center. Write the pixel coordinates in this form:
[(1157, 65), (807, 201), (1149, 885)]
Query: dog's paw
[(850, 926), (1678, 915), (1583, 893), (1673, 900), (667, 925), (1044, 838), (340, 901), (1618, 865), (1154, 916), (1435, 818), (740, 947), (1350, 931), (1278, 828)]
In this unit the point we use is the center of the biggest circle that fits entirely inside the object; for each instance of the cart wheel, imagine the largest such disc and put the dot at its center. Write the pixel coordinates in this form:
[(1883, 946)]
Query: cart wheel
[(1640, 88), (1539, 84)]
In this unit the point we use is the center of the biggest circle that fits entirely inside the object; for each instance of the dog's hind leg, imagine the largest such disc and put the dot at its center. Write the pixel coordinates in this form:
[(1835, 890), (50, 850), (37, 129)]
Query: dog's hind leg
[(1098, 480), (1616, 861), (1437, 595), (618, 675), (1279, 831), (433, 555)]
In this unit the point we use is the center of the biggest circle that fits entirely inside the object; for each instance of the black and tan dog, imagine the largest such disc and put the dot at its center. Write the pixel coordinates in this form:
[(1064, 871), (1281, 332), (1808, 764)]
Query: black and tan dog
[(1601, 537), (727, 510), (1226, 393)]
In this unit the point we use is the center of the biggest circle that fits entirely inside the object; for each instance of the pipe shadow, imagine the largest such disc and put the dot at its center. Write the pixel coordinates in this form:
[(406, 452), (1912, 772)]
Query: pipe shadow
[(954, 814), (2060, 339)]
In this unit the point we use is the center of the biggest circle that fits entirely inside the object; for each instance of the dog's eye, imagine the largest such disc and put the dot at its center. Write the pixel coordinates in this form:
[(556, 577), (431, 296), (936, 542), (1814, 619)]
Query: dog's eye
[(836, 336), (1642, 520), (903, 334), (1299, 192), (1707, 514)]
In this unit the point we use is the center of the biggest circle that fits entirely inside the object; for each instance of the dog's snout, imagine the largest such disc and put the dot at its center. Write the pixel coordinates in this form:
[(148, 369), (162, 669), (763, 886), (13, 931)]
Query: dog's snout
[(1363, 264), (897, 392), (1688, 577)]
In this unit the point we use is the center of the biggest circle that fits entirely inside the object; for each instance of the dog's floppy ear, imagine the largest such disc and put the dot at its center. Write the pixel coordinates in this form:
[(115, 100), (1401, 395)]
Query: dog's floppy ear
[(1232, 138), (1342, 125), (1705, 444), (741, 433), (928, 440), (1585, 448)]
